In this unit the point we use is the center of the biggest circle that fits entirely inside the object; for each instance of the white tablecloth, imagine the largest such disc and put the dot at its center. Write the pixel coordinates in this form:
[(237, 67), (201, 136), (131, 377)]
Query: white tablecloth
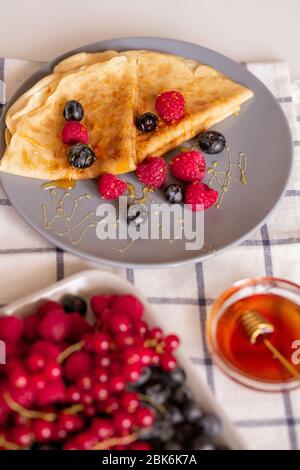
[(182, 296)]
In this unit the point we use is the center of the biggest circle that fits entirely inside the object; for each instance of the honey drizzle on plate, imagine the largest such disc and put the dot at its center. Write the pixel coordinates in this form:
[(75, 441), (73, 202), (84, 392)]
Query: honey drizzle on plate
[(227, 175), (60, 213)]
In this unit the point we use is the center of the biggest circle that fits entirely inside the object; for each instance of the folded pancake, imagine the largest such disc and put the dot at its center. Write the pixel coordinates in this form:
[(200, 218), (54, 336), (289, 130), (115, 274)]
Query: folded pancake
[(210, 96), (108, 94)]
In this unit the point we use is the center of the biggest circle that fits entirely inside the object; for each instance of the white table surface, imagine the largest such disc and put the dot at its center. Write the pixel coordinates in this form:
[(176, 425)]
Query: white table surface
[(245, 30)]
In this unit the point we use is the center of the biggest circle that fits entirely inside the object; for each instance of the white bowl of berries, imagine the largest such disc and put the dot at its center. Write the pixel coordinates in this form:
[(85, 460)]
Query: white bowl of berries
[(87, 369)]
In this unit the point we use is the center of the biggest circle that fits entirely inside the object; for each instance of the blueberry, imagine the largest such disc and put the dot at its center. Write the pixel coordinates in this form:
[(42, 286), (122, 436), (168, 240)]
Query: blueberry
[(73, 111), (174, 414), (192, 412), (172, 445), (74, 303), (174, 193), (146, 122), (201, 443), (212, 142), (159, 392), (81, 156), (184, 432), (177, 376), (182, 395), (166, 430), (210, 425)]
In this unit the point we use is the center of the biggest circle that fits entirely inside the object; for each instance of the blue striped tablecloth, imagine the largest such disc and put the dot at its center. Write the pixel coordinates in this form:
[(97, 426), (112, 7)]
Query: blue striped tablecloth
[(182, 296)]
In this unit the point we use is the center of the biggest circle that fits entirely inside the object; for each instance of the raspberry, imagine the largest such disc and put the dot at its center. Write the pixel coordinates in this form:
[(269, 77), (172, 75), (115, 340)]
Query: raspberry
[(188, 166), (111, 187), (11, 328), (152, 172), (55, 325), (199, 193), (74, 133), (129, 305), (170, 106)]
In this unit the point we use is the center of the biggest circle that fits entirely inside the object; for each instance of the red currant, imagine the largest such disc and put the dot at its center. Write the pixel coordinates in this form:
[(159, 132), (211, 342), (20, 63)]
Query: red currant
[(140, 445), (77, 364), (101, 302), (47, 348), (122, 422), (73, 394), (167, 362), (43, 430), (132, 372), (89, 411), (52, 370), (171, 342), (47, 306), (100, 392), (101, 342), (24, 396), (101, 375), (55, 392), (85, 440), (144, 417), (120, 323), (130, 401), (35, 362), (116, 384), (21, 435), (156, 333), (103, 428), (18, 378), (141, 327), (85, 382), (70, 423), (38, 382), (129, 305), (11, 328), (55, 325), (104, 361), (111, 405)]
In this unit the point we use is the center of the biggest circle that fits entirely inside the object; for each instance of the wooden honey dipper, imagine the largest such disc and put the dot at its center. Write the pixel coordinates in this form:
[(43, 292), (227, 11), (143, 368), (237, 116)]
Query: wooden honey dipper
[(256, 326)]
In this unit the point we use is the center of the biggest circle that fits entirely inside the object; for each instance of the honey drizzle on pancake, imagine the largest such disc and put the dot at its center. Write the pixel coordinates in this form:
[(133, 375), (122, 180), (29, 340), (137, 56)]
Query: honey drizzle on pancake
[(61, 184), (227, 175)]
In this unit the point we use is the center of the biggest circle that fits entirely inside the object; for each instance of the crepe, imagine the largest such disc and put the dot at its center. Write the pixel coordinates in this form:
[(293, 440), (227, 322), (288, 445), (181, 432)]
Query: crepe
[(210, 96), (108, 94)]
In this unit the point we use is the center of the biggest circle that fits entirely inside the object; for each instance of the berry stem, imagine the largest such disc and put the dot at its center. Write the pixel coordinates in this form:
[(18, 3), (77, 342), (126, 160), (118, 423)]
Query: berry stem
[(30, 414), (114, 441), (8, 445), (73, 410), (160, 408), (69, 350)]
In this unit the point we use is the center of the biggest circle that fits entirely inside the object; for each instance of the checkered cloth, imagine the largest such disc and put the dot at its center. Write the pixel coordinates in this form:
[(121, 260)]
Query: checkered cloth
[(182, 296)]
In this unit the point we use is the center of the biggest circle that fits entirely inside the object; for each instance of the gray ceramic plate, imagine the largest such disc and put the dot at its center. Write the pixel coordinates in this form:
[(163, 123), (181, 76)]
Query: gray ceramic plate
[(260, 131)]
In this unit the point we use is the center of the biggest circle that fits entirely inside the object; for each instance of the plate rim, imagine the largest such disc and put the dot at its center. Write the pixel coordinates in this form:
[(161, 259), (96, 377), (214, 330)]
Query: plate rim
[(148, 265)]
